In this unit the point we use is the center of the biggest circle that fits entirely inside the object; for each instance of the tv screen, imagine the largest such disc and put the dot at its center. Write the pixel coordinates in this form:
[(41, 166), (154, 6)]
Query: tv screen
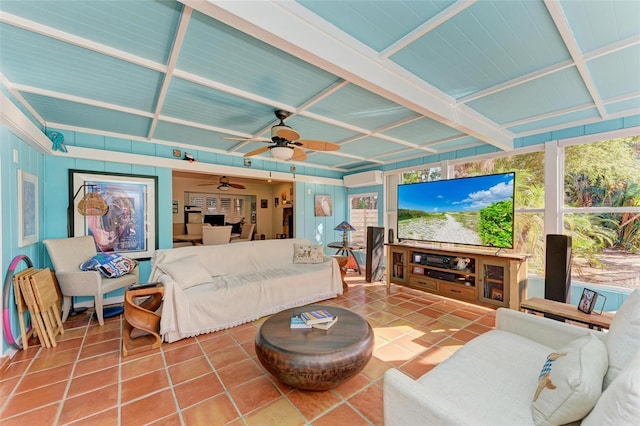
[(475, 211), (214, 219)]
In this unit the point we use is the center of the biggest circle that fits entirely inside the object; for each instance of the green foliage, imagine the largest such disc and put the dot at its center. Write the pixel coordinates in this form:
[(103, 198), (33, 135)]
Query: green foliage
[(406, 214), (495, 224), (590, 234)]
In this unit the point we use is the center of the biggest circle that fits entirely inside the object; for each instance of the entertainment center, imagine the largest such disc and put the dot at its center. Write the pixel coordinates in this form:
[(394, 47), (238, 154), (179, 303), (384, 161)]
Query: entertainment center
[(484, 277)]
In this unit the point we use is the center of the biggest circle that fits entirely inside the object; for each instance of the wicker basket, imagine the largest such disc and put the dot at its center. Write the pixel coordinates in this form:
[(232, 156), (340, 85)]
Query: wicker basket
[(92, 204)]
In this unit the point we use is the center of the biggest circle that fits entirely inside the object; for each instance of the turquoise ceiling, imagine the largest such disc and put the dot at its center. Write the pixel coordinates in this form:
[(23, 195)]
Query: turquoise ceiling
[(388, 81)]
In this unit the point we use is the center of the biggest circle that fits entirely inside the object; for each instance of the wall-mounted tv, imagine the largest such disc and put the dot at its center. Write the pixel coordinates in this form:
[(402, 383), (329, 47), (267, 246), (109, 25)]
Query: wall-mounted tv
[(214, 219), (474, 211)]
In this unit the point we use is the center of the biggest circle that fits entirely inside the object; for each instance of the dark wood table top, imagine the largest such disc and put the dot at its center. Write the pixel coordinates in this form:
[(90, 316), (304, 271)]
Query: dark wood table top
[(351, 329)]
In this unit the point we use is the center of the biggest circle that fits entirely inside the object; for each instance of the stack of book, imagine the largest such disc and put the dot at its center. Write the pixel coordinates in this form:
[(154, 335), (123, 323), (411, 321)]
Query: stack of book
[(320, 318)]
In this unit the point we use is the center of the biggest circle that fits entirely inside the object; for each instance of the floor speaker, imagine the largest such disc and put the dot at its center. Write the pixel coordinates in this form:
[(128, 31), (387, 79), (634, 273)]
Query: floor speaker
[(375, 253), (557, 271)]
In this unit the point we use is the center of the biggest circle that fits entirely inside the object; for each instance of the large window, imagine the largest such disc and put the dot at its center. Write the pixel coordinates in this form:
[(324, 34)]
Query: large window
[(363, 212)]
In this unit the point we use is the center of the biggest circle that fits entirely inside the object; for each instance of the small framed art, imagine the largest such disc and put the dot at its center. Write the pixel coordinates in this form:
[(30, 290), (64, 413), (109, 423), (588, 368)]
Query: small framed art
[(587, 301)]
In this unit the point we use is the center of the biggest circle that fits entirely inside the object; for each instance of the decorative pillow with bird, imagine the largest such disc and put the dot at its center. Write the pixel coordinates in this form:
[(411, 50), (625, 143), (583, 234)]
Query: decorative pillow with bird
[(570, 382), (307, 253), (110, 265)]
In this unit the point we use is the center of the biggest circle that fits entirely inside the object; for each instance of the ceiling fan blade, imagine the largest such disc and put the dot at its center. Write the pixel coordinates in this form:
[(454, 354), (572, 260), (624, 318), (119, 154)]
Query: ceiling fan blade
[(257, 151), (206, 184), (287, 133), (237, 186), (298, 154), (318, 145)]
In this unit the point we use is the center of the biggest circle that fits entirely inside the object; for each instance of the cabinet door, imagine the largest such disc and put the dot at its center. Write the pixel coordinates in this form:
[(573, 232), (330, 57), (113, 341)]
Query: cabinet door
[(398, 262), (493, 280)]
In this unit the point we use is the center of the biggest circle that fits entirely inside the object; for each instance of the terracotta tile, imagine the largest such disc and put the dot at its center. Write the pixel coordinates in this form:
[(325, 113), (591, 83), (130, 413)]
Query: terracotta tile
[(7, 386), (25, 401), (90, 403), (218, 341), (418, 367), (393, 354), (140, 366), (196, 390), (239, 373), (106, 418), (353, 385), (244, 333), (464, 335), (90, 382), (182, 353), (143, 385), (227, 356), (277, 413), (101, 337), (214, 411), (148, 409), (341, 415), (368, 404), (100, 348), (62, 345), (312, 404), (375, 368), (45, 377), (53, 361), (171, 420), (189, 369), (478, 328), (253, 394), (42, 417), (91, 365)]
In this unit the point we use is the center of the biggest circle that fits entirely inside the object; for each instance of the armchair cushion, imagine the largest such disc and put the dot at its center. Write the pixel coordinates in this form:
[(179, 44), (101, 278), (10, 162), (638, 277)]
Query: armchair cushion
[(570, 382), (110, 265)]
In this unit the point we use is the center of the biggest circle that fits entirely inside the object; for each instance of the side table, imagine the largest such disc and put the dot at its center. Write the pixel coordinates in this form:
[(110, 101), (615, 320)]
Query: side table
[(566, 311), (142, 325), (342, 263)]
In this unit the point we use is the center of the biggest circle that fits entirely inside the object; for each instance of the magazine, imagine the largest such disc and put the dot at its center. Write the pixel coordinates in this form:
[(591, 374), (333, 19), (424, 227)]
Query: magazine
[(297, 321), (326, 325), (317, 316)]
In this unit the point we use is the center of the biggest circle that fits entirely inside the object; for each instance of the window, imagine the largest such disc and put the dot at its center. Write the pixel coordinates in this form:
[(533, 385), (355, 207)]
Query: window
[(363, 212)]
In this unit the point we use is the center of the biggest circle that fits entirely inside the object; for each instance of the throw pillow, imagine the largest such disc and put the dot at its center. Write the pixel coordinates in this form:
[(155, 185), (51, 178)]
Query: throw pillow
[(623, 339), (620, 402), (307, 253), (187, 271), (570, 382), (110, 265)]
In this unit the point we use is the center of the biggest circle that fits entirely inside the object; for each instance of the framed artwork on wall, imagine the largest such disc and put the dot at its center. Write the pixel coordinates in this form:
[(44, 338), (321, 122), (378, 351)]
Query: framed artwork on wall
[(323, 205), (130, 226), (264, 203), (27, 209)]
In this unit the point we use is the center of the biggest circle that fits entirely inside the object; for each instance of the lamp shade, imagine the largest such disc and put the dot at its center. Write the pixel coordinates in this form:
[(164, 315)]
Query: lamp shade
[(344, 226), (282, 152), (92, 204)]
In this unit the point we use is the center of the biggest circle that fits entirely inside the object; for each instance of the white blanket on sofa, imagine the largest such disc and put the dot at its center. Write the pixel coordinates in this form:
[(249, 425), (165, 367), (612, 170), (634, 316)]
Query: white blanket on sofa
[(248, 280)]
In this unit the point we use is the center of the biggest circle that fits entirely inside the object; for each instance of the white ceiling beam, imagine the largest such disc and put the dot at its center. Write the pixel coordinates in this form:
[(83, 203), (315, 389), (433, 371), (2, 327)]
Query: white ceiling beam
[(612, 48), (429, 25), (185, 17), (560, 20), (292, 28)]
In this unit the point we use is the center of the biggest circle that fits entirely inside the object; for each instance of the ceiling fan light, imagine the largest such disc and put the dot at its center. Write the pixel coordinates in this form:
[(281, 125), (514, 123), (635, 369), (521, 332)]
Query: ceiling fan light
[(282, 153), (223, 187)]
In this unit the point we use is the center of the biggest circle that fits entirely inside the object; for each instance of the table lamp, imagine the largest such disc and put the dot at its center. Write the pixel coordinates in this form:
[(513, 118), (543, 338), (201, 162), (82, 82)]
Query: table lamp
[(344, 227)]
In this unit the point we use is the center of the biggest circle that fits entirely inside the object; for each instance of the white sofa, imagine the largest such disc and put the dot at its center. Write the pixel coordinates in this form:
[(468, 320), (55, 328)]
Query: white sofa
[(493, 378), (210, 288)]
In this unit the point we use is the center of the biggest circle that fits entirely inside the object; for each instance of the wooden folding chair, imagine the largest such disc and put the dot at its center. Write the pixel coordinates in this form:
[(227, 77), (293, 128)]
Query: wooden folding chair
[(21, 306), (46, 298), (32, 306)]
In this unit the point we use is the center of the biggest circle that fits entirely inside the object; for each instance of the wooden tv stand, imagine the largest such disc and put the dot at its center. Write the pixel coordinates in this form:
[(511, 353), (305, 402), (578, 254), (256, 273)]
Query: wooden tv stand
[(491, 278)]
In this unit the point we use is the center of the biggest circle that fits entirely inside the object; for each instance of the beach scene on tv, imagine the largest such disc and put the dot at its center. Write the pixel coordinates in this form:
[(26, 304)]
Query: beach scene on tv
[(474, 211)]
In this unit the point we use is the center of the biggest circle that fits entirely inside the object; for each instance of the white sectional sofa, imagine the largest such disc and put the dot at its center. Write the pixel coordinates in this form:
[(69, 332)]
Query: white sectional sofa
[(210, 288), (592, 378)]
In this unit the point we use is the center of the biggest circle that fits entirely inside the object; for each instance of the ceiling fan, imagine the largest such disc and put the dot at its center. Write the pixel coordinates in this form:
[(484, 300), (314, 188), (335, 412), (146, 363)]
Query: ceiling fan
[(286, 142), (224, 184)]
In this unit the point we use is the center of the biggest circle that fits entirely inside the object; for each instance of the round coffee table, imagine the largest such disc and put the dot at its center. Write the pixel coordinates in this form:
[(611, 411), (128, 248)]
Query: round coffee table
[(311, 358)]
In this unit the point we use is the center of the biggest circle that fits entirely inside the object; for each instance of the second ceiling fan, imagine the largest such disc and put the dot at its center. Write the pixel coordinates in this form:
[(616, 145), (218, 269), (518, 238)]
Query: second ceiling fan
[(224, 184), (287, 143)]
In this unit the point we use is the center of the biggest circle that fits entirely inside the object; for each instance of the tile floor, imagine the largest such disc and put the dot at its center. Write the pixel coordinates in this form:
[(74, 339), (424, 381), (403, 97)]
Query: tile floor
[(215, 379)]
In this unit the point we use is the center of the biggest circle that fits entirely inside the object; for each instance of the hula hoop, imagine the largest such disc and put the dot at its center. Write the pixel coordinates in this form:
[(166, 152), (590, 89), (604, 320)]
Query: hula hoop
[(6, 294)]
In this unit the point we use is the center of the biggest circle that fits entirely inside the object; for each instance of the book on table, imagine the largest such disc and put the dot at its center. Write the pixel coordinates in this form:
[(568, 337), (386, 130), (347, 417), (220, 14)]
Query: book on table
[(326, 325), (297, 321), (318, 316)]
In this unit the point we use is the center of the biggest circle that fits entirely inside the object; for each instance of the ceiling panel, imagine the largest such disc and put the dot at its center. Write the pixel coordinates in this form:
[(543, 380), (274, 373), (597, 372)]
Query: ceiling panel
[(371, 145), (198, 137), (556, 120), (422, 131), (618, 73)]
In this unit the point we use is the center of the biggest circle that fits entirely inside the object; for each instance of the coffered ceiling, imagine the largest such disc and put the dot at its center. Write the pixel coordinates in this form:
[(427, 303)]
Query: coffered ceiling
[(386, 80)]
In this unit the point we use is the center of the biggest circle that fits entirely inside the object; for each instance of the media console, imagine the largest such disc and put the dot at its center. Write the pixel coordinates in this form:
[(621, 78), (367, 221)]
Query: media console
[(488, 278)]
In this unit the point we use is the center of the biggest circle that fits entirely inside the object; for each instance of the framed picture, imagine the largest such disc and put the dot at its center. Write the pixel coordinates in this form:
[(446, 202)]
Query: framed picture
[(174, 206), (130, 226), (27, 209), (264, 203), (323, 205), (587, 301), (497, 294), (276, 201)]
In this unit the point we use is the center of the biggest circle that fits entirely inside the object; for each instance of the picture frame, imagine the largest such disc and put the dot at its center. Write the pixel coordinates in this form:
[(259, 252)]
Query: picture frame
[(587, 301), (130, 227), (323, 205), (264, 203), (497, 294), (174, 206), (27, 209)]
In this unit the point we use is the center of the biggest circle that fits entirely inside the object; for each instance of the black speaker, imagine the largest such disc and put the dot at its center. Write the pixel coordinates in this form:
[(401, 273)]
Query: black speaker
[(557, 271), (390, 235), (375, 253)]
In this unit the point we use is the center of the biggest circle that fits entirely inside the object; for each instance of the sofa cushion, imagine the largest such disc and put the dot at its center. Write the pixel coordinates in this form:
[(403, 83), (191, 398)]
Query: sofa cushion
[(307, 253), (620, 402), (187, 271), (623, 339), (570, 382), (110, 265)]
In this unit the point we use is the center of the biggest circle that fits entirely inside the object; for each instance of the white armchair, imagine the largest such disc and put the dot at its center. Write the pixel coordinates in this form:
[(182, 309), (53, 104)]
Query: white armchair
[(212, 235), (67, 254), (247, 233)]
